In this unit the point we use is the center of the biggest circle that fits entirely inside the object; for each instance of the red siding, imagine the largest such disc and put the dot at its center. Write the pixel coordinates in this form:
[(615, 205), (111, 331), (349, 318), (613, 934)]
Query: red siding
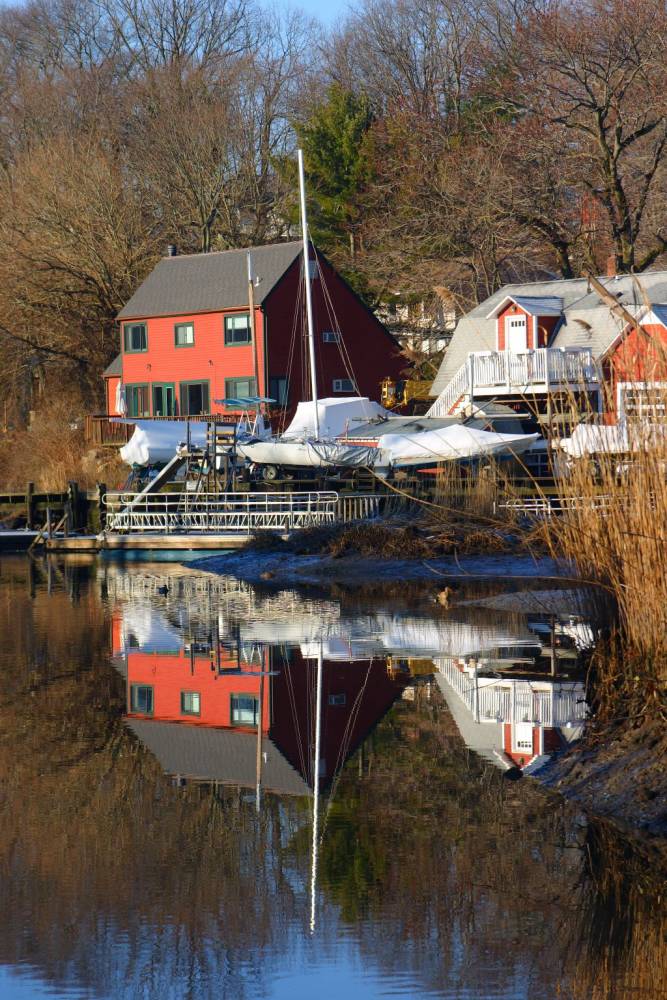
[(373, 352), (636, 358), (207, 360), (551, 740), (369, 693), (110, 388), (545, 326), (520, 757), (513, 310)]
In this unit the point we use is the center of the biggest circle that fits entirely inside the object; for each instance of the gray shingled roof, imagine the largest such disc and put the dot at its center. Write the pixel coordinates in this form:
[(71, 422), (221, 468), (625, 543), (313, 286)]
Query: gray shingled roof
[(115, 368), (208, 282), (223, 755), (587, 321)]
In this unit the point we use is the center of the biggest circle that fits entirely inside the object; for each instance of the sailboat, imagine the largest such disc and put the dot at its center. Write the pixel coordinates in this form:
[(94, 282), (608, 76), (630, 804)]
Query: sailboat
[(316, 436), (310, 441)]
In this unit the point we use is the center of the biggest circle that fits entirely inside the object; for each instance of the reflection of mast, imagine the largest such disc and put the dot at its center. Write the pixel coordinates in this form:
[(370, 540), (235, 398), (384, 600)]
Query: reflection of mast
[(258, 760), (316, 787)]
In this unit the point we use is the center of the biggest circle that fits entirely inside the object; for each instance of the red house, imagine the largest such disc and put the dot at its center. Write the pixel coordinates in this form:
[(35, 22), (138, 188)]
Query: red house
[(186, 335)]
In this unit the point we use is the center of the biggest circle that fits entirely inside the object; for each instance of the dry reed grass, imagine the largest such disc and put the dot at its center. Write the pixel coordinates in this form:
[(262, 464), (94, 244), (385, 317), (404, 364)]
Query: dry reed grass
[(53, 452), (472, 490), (615, 531)]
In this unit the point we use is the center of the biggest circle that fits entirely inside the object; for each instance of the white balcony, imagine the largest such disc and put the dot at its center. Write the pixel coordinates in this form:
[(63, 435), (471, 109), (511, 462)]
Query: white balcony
[(487, 374)]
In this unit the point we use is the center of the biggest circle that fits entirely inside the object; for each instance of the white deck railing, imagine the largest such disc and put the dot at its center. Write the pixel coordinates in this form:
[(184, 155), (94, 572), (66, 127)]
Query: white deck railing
[(224, 513), (509, 700), (505, 372)]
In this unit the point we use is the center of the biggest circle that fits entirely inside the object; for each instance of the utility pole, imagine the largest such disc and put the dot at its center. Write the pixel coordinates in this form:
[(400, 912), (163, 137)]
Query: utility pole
[(251, 307)]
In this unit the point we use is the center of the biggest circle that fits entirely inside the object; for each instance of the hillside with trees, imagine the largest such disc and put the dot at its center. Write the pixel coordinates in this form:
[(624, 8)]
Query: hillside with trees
[(448, 145)]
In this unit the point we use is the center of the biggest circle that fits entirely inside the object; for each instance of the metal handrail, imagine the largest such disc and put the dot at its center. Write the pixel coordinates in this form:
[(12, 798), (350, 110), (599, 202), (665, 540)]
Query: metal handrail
[(241, 513)]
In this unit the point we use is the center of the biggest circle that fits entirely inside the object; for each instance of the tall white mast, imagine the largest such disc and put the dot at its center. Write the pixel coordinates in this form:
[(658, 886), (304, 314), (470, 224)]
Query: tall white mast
[(309, 301)]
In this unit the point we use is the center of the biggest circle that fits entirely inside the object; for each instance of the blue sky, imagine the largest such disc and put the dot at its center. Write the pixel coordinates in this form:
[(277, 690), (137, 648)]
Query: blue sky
[(327, 11)]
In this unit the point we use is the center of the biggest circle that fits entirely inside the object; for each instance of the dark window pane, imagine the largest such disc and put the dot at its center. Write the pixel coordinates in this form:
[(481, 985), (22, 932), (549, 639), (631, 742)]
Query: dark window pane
[(138, 400), (278, 389), (141, 699), (194, 398), (163, 401), (135, 337), (237, 329)]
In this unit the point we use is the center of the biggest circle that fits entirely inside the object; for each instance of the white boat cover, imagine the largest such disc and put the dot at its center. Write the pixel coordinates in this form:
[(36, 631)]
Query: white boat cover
[(593, 439), (613, 439), (307, 454), (154, 442), (335, 415), (449, 444), (444, 445)]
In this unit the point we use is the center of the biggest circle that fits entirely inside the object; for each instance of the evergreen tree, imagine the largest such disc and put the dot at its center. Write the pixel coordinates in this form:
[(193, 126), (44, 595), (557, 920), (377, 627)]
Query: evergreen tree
[(336, 143)]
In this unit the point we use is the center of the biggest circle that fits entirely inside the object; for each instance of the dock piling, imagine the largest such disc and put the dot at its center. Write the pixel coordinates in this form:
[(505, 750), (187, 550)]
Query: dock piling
[(30, 506)]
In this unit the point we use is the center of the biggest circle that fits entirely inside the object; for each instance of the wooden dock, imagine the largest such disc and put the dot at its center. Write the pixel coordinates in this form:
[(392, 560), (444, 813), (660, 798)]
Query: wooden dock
[(149, 542)]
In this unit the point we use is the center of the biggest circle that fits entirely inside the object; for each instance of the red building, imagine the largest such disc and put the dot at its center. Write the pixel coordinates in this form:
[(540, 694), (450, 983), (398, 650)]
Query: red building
[(186, 335), (549, 343), (635, 368)]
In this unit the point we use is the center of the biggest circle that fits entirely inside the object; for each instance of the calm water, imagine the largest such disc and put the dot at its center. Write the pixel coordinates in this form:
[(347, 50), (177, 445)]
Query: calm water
[(157, 801)]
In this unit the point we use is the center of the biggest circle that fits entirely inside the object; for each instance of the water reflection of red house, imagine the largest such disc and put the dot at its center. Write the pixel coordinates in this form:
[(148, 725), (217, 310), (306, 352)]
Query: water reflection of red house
[(197, 689), (221, 691), (511, 720)]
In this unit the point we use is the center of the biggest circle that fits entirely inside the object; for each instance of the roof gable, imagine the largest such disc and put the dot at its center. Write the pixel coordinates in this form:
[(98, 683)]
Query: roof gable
[(209, 282), (657, 316), (534, 305)]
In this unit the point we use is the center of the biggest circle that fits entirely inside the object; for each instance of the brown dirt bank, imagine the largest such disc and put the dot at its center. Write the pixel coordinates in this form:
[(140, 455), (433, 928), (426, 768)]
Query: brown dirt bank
[(620, 773)]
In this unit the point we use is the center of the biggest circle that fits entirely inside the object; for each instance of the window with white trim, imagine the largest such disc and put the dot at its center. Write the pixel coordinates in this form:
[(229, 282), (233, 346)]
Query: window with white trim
[(642, 401), (343, 385), (331, 337)]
